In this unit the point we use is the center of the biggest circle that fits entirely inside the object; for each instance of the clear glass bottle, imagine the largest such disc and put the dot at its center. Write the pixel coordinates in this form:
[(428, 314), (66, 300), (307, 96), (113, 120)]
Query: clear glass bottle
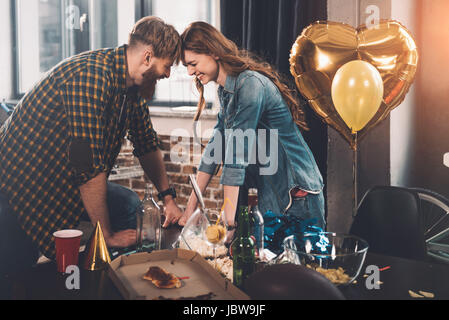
[(257, 223), (149, 227)]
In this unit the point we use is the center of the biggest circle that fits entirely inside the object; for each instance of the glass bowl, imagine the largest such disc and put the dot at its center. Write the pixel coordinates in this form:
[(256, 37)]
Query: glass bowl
[(193, 238), (339, 257), (194, 230)]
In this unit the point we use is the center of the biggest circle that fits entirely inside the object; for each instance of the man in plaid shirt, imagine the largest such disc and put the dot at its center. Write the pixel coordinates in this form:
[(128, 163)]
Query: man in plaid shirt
[(60, 144)]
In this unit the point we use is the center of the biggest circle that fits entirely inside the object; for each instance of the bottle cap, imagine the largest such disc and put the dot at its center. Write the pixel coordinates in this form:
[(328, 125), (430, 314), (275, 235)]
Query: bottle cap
[(252, 191), (252, 197)]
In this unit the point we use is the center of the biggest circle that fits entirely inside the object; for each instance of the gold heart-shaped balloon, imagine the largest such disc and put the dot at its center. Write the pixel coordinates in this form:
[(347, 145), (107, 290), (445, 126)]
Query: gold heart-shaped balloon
[(324, 47)]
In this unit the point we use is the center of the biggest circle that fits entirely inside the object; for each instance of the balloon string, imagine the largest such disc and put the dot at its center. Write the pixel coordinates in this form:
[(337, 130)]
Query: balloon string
[(354, 176)]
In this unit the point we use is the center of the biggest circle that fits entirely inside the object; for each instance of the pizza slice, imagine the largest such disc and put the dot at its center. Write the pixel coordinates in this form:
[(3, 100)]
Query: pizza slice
[(162, 279)]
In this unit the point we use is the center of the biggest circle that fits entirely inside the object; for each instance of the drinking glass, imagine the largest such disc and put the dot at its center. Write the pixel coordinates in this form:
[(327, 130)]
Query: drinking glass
[(215, 232)]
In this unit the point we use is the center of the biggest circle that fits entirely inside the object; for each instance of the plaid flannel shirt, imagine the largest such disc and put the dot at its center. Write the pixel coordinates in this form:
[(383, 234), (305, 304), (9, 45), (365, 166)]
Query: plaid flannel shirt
[(64, 132)]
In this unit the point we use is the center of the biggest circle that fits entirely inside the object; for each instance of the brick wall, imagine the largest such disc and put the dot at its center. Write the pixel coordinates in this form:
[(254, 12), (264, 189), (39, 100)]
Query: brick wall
[(178, 173)]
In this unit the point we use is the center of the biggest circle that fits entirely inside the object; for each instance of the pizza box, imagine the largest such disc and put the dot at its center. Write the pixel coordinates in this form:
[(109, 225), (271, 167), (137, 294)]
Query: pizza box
[(199, 278)]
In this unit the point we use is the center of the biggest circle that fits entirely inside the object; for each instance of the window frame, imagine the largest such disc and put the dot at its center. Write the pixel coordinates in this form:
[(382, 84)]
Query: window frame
[(147, 10), (15, 59), (142, 8)]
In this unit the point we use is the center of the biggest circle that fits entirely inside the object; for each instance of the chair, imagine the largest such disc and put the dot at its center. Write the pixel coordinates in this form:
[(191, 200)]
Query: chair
[(391, 221), (435, 212)]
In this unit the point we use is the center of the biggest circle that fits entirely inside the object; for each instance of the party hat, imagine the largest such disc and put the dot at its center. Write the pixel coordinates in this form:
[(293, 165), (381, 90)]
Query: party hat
[(97, 255)]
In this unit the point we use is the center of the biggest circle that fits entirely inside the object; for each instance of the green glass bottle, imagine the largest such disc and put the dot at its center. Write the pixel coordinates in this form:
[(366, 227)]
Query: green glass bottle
[(242, 249)]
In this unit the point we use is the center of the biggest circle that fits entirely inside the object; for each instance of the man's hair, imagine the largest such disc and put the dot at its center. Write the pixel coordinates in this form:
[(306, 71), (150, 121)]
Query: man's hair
[(163, 38)]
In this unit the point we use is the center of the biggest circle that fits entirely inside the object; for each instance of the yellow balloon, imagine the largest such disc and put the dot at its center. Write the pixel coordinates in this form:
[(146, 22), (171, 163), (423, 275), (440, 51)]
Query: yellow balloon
[(357, 93)]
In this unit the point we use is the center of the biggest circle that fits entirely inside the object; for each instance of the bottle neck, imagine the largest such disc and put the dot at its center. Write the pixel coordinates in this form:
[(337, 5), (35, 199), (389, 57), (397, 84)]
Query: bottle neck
[(252, 200), (148, 192), (243, 227), (243, 197)]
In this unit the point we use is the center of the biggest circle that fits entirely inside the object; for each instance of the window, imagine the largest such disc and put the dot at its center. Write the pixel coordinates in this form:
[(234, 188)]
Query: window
[(39, 39), (48, 31), (179, 89)]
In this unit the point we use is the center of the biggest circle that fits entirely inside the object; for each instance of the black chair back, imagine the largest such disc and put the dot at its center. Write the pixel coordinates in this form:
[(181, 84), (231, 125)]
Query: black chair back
[(389, 219)]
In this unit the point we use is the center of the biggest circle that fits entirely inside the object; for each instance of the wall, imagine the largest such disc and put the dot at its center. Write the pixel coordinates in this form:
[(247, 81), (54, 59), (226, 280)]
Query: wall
[(374, 150), (178, 174), (403, 127), (167, 122), (432, 96)]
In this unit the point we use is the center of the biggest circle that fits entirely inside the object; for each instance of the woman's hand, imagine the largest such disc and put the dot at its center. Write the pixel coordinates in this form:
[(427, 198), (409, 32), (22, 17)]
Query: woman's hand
[(190, 209), (229, 237)]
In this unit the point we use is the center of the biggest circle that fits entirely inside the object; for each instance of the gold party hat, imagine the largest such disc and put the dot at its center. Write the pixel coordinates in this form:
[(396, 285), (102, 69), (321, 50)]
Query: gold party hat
[(97, 255)]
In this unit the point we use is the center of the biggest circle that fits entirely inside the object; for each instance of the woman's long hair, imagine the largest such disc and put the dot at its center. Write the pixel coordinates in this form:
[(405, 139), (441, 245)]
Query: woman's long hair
[(202, 38)]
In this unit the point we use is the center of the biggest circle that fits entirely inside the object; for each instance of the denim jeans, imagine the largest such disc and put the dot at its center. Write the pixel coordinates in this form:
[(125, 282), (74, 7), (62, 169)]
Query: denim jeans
[(122, 204), (308, 207), (17, 252)]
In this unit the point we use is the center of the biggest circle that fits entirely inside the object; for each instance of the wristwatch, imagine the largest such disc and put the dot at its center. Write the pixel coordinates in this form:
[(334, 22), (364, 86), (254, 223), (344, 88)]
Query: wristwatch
[(170, 191)]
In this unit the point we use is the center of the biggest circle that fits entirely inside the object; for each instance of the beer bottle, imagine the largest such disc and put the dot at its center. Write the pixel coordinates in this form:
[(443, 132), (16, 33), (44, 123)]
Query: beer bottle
[(242, 248), (257, 222)]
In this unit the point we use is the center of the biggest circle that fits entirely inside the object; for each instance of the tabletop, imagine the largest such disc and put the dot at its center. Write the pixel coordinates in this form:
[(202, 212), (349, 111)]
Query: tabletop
[(398, 276), (395, 277)]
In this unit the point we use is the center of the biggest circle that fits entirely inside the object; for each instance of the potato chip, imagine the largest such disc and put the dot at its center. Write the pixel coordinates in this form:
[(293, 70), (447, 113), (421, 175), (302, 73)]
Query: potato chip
[(336, 276), (414, 294), (427, 294)]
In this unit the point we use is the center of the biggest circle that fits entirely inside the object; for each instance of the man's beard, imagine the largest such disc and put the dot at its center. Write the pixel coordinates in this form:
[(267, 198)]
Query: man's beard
[(148, 86)]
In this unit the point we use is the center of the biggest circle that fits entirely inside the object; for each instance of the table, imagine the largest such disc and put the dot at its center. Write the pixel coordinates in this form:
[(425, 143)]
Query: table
[(43, 282), (400, 276)]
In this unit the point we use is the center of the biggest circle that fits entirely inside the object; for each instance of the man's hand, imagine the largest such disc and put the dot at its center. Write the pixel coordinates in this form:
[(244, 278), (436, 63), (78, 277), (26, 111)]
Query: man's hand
[(154, 167), (172, 213), (122, 239)]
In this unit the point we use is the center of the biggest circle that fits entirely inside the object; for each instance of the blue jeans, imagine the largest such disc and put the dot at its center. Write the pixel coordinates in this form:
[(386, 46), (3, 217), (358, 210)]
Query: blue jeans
[(308, 207), (18, 252), (122, 204)]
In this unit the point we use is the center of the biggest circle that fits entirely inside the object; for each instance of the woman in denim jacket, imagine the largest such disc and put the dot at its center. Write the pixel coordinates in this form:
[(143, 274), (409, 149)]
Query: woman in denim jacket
[(257, 136)]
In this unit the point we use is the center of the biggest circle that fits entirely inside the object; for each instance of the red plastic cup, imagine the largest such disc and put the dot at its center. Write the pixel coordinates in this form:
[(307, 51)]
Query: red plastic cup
[(67, 244)]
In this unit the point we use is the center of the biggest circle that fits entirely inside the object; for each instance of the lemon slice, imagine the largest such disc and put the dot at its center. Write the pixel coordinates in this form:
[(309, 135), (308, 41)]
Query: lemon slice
[(213, 234)]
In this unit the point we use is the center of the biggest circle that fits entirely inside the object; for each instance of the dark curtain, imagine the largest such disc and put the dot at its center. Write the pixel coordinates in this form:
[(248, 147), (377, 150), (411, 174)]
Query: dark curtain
[(269, 28)]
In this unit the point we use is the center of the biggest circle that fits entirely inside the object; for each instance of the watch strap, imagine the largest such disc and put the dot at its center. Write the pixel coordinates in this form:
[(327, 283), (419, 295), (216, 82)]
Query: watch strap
[(169, 192)]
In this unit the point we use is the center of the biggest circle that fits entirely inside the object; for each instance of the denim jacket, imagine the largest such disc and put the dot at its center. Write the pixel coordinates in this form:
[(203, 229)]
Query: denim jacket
[(268, 152)]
